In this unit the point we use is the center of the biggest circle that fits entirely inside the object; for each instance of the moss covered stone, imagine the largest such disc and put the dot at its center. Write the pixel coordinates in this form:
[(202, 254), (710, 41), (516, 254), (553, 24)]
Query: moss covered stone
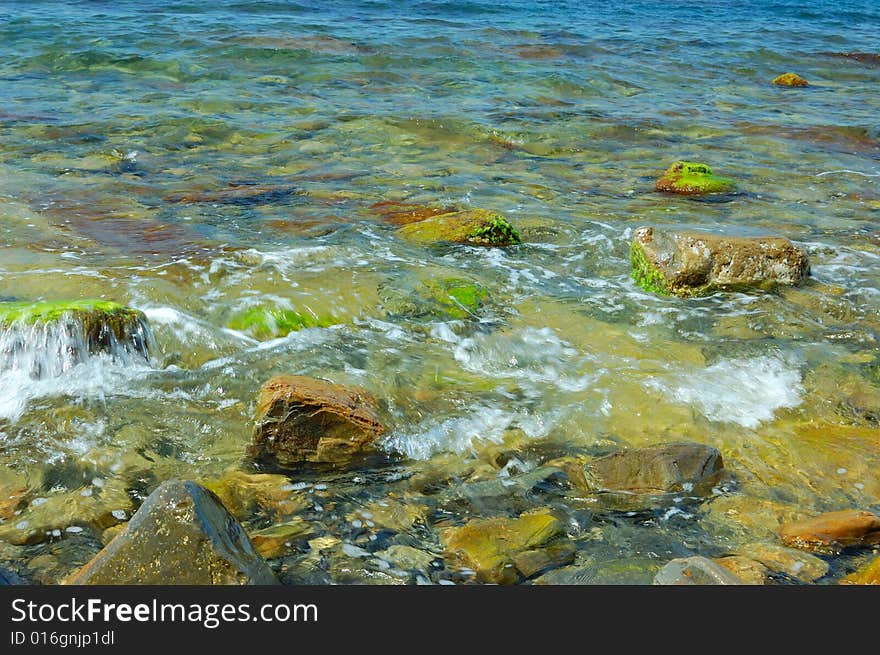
[(476, 227), (790, 79), (691, 178), (271, 322), (104, 325), (692, 264)]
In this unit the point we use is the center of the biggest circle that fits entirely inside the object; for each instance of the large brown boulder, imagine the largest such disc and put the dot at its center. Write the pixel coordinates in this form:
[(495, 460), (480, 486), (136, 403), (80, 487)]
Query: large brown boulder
[(301, 419), (693, 263), (636, 478), (833, 531), (182, 534)]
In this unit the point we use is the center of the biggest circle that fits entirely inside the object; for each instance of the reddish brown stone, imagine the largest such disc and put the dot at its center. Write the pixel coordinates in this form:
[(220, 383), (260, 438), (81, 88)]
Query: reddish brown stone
[(833, 531), (301, 419)]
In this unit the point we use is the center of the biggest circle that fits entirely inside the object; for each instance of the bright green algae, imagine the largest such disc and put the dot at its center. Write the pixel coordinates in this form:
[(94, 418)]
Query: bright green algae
[(646, 275), (48, 311), (271, 322), (693, 178)]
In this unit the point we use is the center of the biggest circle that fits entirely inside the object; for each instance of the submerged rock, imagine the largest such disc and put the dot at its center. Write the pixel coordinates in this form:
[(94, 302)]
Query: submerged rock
[(277, 540), (475, 227), (790, 79), (246, 494), (695, 571), (272, 322), (47, 338), (692, 264), (833, 531), (690, 179), (503, 550), (867, 575), (182, 534), (800, 566), (637, 478), (399, 213), (442, 298), (301, 419)]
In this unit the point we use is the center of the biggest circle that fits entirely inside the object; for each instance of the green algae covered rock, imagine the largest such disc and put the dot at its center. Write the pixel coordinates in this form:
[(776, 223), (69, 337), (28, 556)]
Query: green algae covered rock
[(102, 325), (691, 178), (475, 227), (692, 264), (441, 298), (790, 79), (271, 322), (504, 551), (182, 534)]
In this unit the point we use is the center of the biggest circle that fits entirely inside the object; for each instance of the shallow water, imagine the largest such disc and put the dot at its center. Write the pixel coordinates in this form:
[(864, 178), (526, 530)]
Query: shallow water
[(197, 161)]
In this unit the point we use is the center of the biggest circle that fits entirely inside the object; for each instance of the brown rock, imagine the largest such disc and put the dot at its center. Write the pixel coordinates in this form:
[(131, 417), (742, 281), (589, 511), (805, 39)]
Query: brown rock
[(182, 534), (10, 500), (692, 263), (301, 419), (833, 531)]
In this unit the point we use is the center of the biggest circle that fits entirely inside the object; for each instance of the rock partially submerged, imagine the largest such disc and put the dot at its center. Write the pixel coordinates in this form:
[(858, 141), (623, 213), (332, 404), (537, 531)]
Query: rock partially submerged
[(504, 551), (474, 227), (301, 419), (636, 478), (692, 263), (695, 571), (182, 534), (691, 178), (833, 531), (790, 79), (49, 337)]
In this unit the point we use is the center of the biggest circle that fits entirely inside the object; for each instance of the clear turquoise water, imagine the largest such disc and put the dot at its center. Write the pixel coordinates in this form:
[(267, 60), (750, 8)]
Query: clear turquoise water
[(560, 115)]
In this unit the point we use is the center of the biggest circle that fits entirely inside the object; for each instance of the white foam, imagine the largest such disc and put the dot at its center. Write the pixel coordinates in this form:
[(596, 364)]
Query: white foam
[(745, 391), (530, 355)]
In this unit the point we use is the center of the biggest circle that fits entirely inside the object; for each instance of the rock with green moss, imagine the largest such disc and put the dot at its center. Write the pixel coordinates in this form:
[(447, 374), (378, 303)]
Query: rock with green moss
[(475, 227), (272, 322), (691, 178), (75, 329), (440, 298), (692, 264), (182, 534)]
